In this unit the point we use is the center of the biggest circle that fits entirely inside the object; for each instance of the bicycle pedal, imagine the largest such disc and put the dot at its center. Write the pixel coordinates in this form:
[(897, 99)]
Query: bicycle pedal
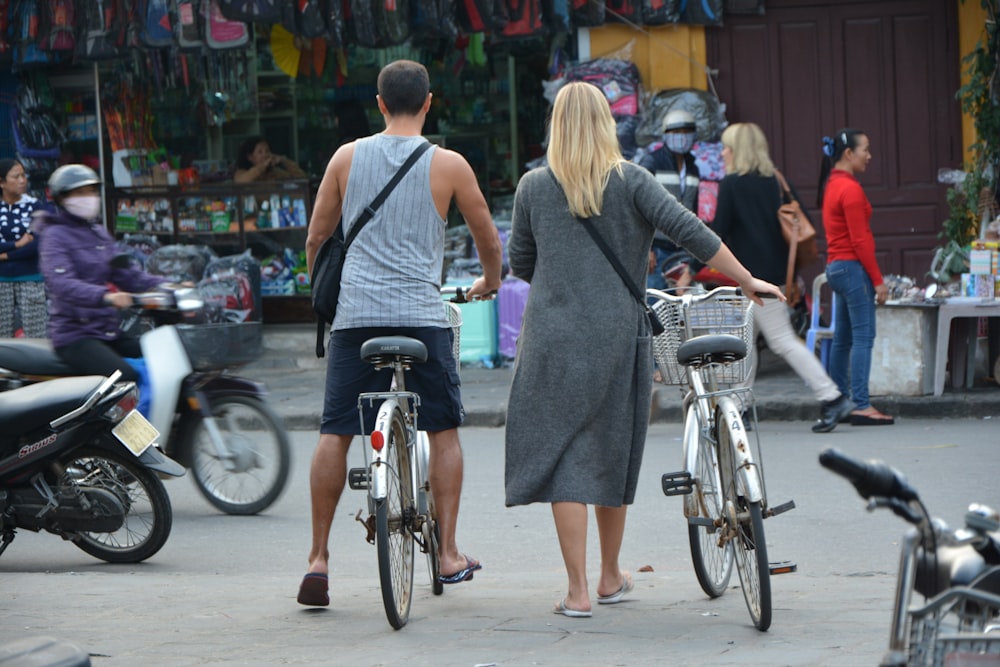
[(781, 509), (358, 479), (369, 525), (676, 483), (783, 567)]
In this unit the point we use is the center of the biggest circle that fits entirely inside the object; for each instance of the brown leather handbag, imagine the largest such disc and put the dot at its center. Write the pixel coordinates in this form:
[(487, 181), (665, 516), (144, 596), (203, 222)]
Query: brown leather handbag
[(800, 236)]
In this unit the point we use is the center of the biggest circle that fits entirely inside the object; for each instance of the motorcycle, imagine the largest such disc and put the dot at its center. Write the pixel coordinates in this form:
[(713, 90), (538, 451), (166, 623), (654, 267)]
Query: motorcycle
[(77, 460), (216, 424), (956, 571)]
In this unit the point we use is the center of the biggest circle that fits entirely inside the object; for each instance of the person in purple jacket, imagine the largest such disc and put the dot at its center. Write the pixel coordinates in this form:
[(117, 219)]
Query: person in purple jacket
[(85, 290)]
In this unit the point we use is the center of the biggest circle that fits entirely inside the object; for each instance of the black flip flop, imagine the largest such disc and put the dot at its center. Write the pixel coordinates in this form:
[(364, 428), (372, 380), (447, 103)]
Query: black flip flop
[(314, 591)]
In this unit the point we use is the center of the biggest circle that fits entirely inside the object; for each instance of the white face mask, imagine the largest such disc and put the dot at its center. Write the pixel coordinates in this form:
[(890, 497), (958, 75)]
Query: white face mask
[(87, 207)]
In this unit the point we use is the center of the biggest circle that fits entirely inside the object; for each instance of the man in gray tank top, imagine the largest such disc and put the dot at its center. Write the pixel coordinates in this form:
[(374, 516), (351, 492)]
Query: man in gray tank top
[(391, 285)]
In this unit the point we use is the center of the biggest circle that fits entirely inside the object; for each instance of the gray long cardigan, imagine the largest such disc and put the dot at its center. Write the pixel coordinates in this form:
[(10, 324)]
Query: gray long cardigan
[(580, 397)]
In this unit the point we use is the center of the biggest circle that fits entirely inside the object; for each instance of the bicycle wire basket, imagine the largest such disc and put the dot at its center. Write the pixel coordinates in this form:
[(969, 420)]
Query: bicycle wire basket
[(724, 314), (953, 628)]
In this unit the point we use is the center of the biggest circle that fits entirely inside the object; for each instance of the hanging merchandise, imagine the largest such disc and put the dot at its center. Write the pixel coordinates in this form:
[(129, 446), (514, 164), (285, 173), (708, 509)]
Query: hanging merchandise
[(524, 19), (433, 20), (660, 12), (189, 27), (36, 134), (557, 16), (102, 32), (157, 30), (588, 12), (480, 15), (220, 32), (623, 11), (709, 114), (58, 25), (252, 11), (5, 45), (26, 34), (335, 23), (285, 50), (619, 79), (309, 18), (701, 12), (393, 20)]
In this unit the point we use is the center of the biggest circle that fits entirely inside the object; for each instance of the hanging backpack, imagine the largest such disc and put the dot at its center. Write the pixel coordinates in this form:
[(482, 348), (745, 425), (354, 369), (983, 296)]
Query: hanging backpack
[(481, 15), (623, 11), (25, 28), (220, 32), (5, 13), (701, 12), (433, 20), (524, 19), (58, 21), (588, 12), (156, 27), (102, 30), (556, 14), (310, 18), (188, 25), (660, 12), (253, 11)]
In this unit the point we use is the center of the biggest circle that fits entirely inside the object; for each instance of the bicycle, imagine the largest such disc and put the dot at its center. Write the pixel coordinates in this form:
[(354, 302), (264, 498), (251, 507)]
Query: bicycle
[(401, 510), (957, 572), (704, 348)]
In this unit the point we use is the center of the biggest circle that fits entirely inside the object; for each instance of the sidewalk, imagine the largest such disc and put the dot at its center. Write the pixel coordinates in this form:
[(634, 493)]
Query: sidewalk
[(295, 377)]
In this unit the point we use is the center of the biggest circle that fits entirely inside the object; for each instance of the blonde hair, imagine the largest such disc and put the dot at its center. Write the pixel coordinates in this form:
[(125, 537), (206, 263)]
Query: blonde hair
[(748, 145), (583, 146)]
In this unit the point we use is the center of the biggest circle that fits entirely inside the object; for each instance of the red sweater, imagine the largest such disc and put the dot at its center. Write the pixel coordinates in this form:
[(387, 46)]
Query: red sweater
[(846, 216)]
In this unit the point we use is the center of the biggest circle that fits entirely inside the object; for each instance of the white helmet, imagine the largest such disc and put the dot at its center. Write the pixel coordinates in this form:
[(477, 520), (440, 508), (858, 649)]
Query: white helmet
[(678, 119), (70, 177)]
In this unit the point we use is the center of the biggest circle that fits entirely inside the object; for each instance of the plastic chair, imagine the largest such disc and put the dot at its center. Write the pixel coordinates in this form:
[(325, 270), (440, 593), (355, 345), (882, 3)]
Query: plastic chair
[(818, 332)]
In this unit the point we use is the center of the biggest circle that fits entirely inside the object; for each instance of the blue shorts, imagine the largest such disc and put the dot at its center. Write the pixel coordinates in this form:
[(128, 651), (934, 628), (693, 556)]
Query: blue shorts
[(347, 375)]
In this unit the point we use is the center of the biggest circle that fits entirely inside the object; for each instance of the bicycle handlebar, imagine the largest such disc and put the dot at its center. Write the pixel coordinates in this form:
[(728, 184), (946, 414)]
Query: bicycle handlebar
[(870, 478), (460, 294)]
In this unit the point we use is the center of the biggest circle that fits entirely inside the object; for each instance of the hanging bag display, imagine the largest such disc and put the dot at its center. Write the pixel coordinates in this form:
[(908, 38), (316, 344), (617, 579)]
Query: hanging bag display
[(329, 262), (800, 236)]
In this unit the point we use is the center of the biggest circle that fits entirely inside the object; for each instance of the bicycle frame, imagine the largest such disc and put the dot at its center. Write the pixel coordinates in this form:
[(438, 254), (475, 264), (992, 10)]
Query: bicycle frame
[(375, 460)]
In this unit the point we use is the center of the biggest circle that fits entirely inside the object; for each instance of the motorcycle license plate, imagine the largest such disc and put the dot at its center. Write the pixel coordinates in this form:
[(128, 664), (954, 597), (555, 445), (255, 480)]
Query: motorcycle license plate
[(135, 432)]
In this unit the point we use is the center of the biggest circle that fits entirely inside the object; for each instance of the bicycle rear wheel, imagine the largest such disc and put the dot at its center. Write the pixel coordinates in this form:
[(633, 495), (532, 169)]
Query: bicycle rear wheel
[(393, 529), (711, 555), (745, 519)]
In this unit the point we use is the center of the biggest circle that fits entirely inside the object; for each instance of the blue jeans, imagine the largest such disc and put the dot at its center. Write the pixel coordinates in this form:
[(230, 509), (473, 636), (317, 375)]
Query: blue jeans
[(854, 329)]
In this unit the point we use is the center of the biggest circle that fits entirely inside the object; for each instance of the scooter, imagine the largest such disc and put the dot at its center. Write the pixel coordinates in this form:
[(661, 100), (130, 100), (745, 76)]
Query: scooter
[(77, 460), (216, 424)]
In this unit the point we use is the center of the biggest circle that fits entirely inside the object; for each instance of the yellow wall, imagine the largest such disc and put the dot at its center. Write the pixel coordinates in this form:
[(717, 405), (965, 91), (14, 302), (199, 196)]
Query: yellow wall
[(971, 30), (663, 54)]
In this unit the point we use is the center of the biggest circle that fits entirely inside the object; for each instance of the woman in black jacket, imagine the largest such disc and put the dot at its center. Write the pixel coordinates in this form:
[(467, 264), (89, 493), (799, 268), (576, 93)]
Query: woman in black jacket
[(746, 219)]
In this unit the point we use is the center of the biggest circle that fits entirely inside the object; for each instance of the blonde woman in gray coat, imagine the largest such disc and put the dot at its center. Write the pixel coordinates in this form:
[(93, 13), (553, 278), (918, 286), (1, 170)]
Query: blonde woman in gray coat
[(580, 396)]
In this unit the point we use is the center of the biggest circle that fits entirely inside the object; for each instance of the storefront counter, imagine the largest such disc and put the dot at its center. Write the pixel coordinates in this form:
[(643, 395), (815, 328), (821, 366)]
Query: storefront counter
[(903, 355)]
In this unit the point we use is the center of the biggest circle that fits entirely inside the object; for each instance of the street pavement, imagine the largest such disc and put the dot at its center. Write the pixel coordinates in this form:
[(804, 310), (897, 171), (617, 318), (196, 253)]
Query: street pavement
[(222, 590), (295, 377)]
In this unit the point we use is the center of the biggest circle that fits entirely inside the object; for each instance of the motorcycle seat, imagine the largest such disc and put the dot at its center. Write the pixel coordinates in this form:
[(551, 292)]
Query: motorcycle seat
[(33, 357), (27, 409)]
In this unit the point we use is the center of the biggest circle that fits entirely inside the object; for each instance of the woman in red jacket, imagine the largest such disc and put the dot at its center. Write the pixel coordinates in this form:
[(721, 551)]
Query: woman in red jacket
[(851, 269)]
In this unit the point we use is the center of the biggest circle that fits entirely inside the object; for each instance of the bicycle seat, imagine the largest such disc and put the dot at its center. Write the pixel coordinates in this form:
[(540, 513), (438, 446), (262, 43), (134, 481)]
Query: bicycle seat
[(711, 349), (393, 346)]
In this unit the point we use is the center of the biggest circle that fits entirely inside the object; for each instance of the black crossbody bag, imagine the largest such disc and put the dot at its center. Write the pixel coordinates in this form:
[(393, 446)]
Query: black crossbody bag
[(329, 263)]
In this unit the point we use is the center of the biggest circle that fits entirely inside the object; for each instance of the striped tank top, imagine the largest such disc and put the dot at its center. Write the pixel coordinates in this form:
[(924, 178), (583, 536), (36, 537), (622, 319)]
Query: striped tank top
[(392, 273)]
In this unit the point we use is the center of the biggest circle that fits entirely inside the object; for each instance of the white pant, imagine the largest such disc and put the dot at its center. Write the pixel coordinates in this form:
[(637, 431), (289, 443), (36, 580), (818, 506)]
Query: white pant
[(772, 321)]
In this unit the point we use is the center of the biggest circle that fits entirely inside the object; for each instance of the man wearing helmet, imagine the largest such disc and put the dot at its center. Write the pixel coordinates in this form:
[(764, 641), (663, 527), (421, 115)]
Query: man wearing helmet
[(75, 253), (670, 160)]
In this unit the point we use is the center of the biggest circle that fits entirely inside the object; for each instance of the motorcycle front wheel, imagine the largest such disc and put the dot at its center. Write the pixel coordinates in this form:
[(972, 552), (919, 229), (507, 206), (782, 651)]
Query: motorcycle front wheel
[(148, 515), (251, 469)]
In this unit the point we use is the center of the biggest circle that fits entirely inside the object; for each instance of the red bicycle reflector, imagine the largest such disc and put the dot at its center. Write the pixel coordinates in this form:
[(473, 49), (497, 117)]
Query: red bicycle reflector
[(378, 441)]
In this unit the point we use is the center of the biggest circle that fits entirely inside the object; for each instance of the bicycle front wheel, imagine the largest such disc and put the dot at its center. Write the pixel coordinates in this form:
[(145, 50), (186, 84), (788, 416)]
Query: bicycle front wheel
[(394, 515), (745, 519), (711, 555)]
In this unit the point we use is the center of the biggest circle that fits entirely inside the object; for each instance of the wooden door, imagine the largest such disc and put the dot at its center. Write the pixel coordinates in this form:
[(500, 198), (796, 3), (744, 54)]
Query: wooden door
[(889, 67)]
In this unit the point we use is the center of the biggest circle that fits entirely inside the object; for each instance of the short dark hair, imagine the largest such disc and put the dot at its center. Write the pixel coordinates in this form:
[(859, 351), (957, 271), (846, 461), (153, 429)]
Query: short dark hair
[(403, 86), (6, 165)]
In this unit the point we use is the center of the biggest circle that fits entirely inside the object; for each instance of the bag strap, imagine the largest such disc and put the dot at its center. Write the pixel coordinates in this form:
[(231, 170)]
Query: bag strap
[(369, 211), (365, 216), (793, 247)]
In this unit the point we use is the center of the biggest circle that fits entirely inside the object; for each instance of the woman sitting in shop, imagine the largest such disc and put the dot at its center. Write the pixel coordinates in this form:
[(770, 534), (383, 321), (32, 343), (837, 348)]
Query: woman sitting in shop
[(256, 162)]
